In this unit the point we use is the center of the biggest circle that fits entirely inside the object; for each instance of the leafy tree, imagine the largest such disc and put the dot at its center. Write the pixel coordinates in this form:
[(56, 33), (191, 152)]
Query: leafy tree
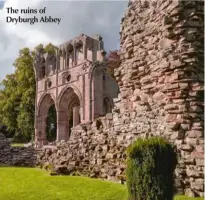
[(17, 98), (113, 61), (26, 88), (8, 102), (50, 48), (6, 132), (150, 167)]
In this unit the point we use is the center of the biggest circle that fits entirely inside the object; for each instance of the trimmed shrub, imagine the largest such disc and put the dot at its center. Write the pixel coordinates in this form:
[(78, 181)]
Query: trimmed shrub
[(150, 167)]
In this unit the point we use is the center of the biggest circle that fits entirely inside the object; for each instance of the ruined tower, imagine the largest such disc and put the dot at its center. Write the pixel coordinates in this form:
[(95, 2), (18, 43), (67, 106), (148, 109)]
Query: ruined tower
[(161, 80), (76, 82)]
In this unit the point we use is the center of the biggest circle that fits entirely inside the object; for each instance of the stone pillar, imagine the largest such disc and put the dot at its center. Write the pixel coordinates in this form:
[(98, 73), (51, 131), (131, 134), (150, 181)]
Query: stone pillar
[(97, 93), (62, 126), (44, 136), (87, 98), (66, 60), (85, 49), (74, 54), (82, 90), (41, 130), (76, 116)]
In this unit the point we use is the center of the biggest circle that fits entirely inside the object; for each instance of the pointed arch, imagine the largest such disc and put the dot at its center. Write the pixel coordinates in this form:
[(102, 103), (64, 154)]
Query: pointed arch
[(73, 88), (46, 101), (45, 98), (70, 102), (107, 104)]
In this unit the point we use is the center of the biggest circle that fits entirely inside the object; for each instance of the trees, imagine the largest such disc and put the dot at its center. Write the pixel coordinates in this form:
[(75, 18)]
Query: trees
[(150, 167), (113, 61), (17, 98), (26, 88), (17, 102)]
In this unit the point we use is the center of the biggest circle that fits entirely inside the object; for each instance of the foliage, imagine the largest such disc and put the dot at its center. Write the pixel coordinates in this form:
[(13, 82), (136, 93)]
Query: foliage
[(150, 166), (35, 184), (50, 48), (26, 90), (7, 133), (17, 98), (8, 102), (113, 61)]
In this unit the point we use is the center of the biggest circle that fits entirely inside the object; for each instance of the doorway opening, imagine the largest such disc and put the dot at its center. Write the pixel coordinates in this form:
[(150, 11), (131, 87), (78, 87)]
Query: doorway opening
[(51, 124)]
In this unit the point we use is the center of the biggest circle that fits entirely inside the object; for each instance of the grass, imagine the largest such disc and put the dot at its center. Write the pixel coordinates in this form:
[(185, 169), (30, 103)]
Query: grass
[(36, 184), (187, 198), (17, 144)]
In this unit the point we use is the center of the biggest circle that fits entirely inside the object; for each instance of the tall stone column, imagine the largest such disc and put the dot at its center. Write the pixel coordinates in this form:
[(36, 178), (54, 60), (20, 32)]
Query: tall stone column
[(43, 128), (37, 129), (66, 60), (62, 126), (40, 131), (82, 90), (85, 49), (74, 54), (76, 115), (97, 93)]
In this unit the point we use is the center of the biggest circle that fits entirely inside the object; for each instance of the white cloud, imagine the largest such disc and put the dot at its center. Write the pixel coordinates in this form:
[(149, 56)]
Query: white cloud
[(89, 17)]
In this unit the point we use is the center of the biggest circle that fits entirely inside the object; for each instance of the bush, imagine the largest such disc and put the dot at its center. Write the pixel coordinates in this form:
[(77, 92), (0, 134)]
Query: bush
[(150, 167), (20, 138), (6, 132)]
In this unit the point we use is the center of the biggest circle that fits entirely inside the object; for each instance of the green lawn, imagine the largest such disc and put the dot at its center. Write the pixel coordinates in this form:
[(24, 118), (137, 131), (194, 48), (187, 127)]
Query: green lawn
[(36, 184), (17, 144)]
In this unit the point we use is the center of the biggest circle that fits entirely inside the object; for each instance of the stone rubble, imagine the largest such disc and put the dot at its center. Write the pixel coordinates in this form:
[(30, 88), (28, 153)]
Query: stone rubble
[(92, 152), (16, 156)]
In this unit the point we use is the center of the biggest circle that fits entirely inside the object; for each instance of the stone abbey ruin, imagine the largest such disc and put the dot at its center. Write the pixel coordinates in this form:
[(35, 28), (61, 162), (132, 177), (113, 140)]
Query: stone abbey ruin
[(80, 90), (161, 92)]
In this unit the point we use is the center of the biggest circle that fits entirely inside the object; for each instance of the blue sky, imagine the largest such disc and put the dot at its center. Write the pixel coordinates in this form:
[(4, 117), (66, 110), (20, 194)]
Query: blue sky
[(1, 4), (88, 17)]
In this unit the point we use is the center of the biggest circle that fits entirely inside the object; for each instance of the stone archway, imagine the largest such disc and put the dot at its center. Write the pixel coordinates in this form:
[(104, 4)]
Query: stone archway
[(51, 124), (43, 107), (68, 113), (107, 105)]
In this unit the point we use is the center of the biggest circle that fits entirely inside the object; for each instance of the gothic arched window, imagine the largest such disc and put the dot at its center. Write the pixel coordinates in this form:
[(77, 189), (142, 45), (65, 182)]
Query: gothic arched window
[(43, 72), (107, 107)]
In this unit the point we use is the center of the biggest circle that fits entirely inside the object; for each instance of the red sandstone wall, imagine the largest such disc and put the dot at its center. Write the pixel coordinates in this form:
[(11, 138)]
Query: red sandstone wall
[(161, 79)]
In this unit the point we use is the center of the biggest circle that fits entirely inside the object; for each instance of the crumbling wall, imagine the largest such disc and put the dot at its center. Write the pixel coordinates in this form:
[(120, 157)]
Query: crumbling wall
[(92, 151), (4, 150), (161, 79), (161, 93), (16, 156)]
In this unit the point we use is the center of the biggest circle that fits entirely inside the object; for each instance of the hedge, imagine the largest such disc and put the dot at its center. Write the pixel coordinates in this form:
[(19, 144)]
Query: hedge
[(150, 166)]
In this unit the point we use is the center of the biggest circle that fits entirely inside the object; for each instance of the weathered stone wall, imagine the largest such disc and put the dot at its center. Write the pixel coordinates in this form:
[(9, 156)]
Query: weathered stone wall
[(161, 93), (16, 156), (92, 152), (161, 79), (4, 150)]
